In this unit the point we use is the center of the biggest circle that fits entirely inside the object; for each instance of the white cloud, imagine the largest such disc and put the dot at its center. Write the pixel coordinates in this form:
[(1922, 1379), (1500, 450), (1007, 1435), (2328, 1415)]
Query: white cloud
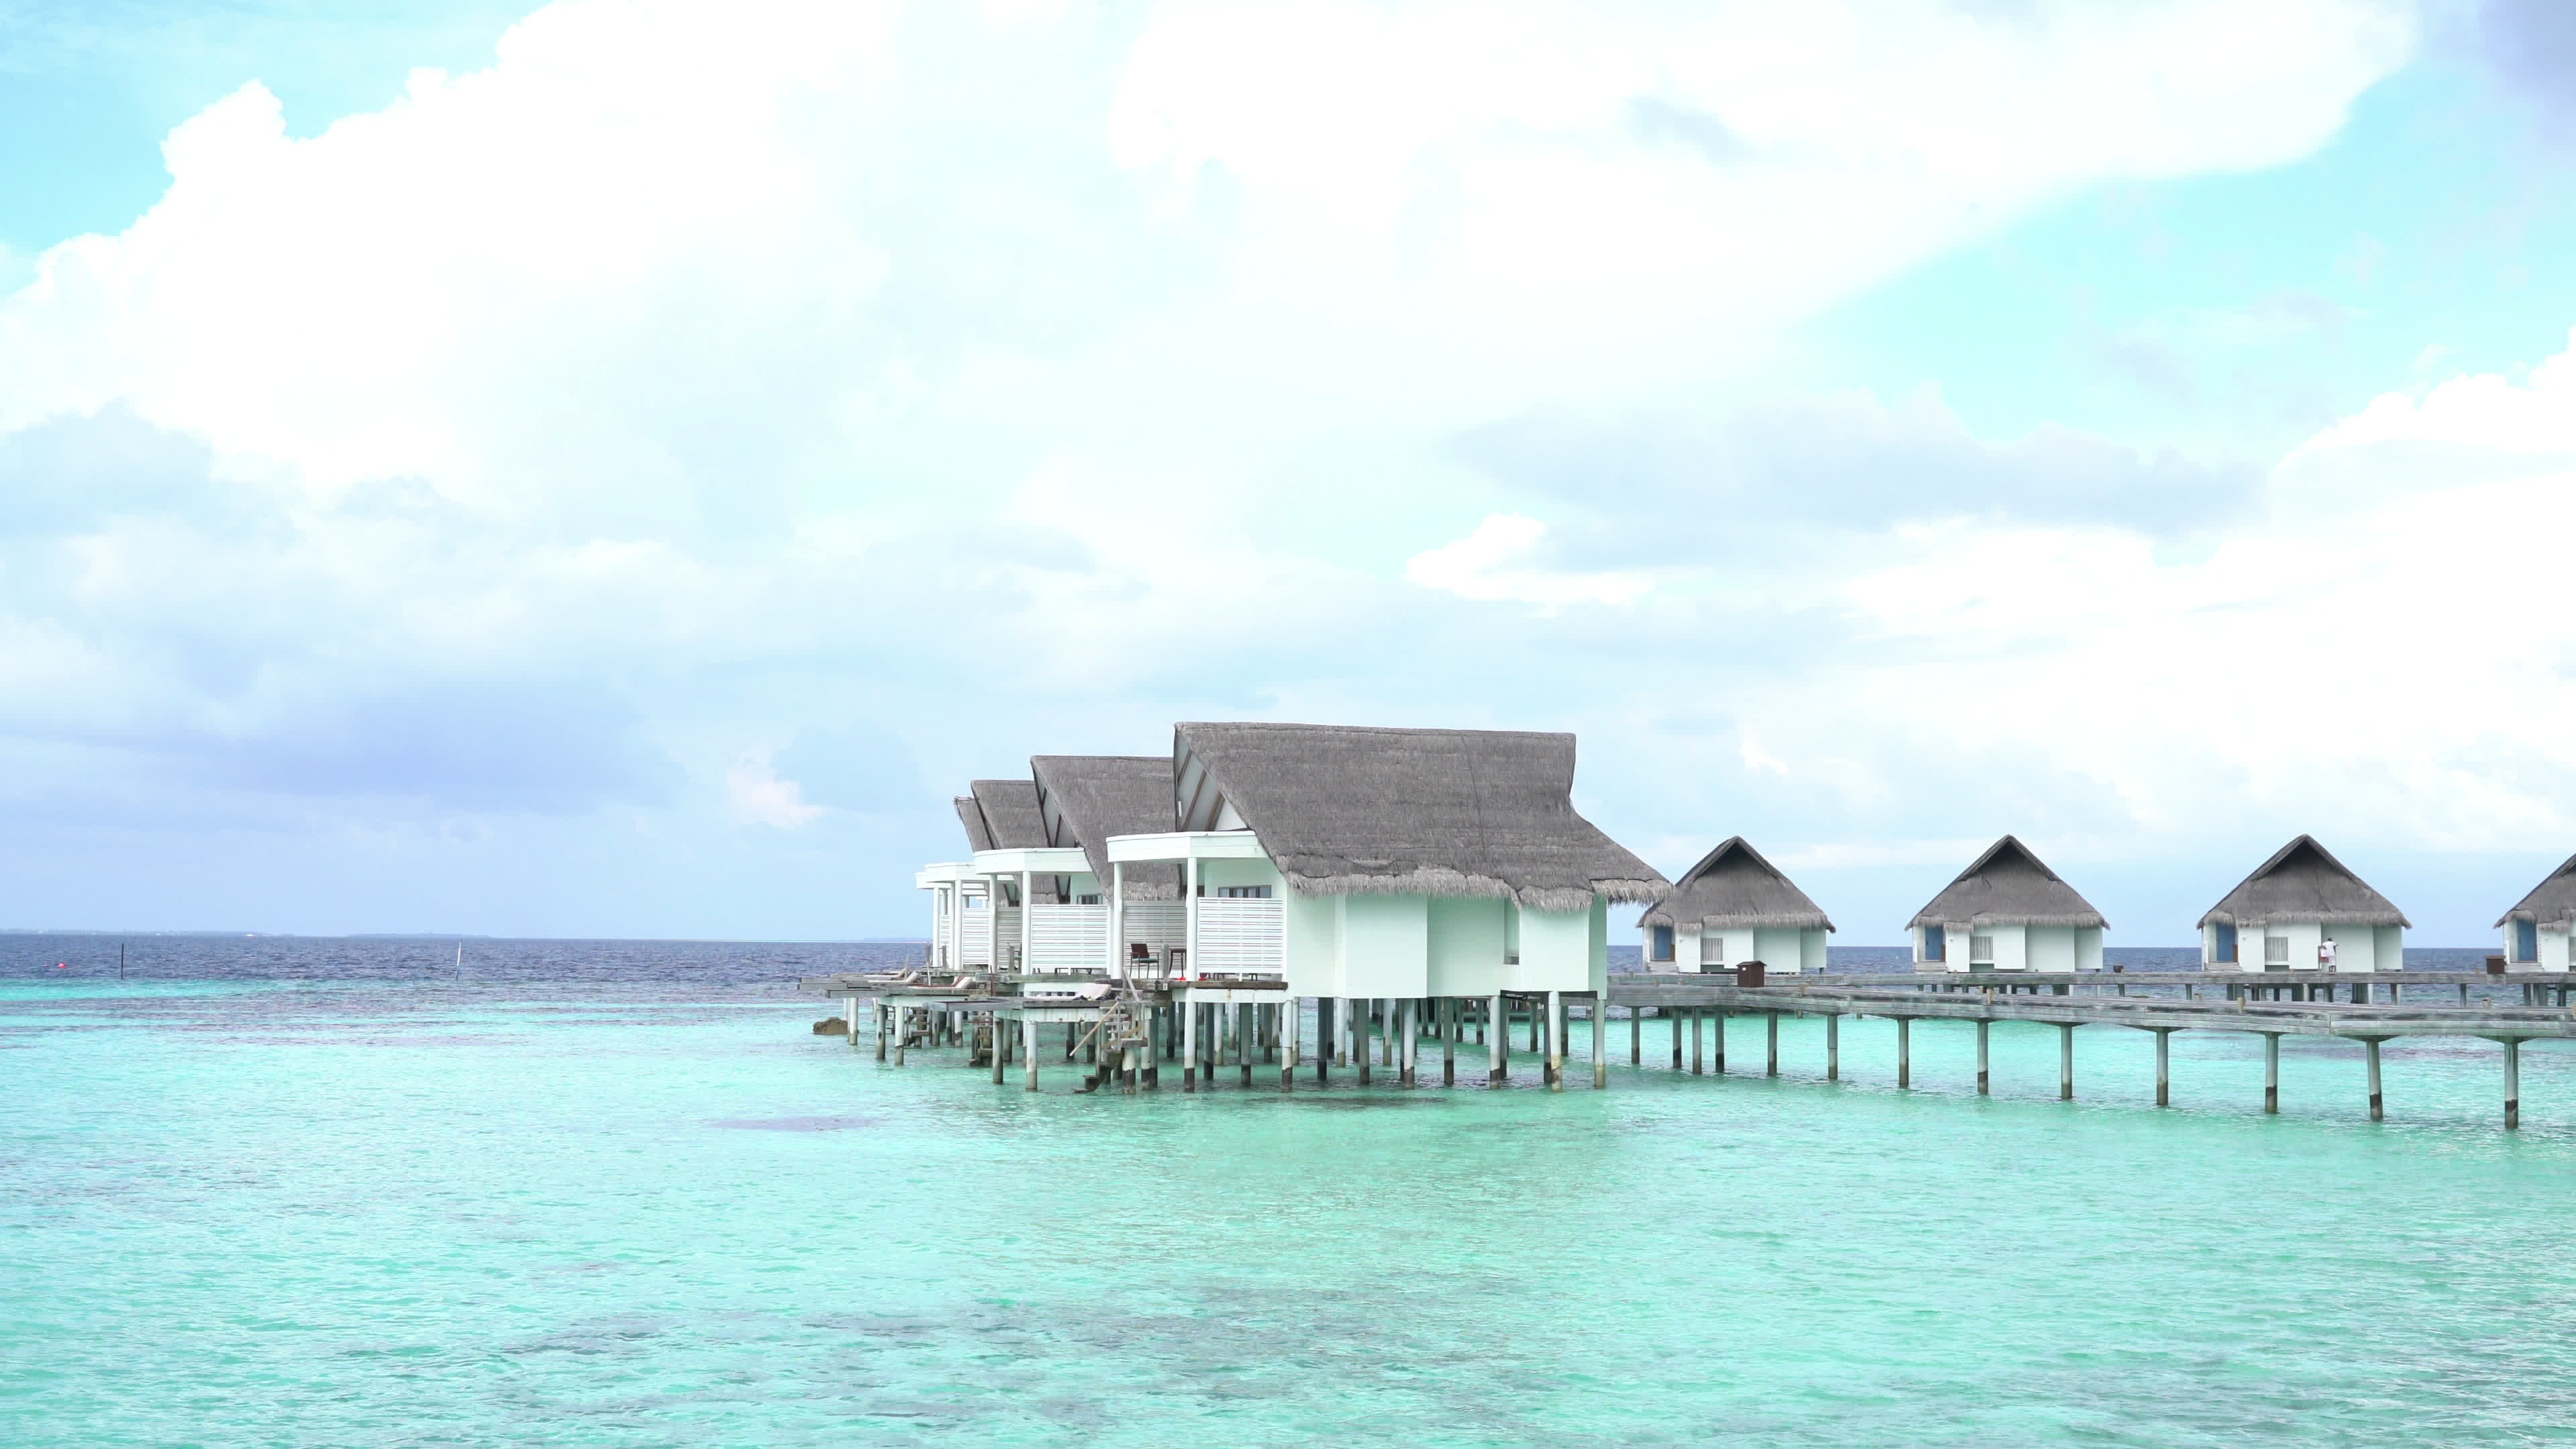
[(2480, 411), (1490, 563), (1024, 377), (759, 797)]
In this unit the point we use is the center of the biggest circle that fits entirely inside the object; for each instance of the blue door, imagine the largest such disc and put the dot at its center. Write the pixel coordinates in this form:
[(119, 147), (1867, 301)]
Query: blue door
[(2526, 941), (2226, 949)]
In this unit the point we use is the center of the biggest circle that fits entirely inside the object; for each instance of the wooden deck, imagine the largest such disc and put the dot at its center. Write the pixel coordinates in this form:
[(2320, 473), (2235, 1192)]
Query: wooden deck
[(1204, 1024)]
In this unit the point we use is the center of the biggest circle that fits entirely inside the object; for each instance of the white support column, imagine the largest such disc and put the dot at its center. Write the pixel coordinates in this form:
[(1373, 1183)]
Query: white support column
[(1117, 918), (1190, 908), (1189, 1043), (1026, 901), (1600, 1035), (1556, 1041)]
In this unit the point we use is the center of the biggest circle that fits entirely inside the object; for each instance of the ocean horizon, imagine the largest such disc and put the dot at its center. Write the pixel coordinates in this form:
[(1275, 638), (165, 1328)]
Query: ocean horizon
[(328, 1191)]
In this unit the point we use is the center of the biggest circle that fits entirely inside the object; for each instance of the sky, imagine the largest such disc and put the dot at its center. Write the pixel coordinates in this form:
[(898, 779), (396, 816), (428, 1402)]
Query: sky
[(619, 468)]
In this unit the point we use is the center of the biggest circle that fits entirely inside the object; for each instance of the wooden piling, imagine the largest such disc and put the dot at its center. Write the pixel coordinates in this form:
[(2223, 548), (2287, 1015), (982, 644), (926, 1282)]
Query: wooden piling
[(1696, 1046), (2271, 1072), (2164, 1065), (1673, 1017), (1833, 1046), (1190, 1048), (1497, 1042), (1717, 1040), (1905, 1051), (1985, 1077), (2066, 1063), (1636, 1034), (1406, 1055), (1246, 1027), (1029, 1053)]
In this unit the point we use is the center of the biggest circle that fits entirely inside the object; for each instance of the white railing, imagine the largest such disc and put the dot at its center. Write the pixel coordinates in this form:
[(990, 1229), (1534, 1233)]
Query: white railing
[(1068, 938), (1239, 935)]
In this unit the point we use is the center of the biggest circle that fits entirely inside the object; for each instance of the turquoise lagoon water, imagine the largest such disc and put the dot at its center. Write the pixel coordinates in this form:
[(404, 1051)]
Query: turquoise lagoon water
[(653, 1208)]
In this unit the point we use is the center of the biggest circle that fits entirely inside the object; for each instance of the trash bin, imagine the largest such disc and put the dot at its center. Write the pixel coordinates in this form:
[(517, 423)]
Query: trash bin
[(1748, 973), (2495, 965)]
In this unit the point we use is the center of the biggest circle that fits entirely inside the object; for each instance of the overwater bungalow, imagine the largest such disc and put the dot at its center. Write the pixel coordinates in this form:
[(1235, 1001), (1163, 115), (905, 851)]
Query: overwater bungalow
[(1083, 801), (2537, 929), (961, 915), (1034, 885), (1387, 866), (1731, 908), (2308, 912), (2008, 912)]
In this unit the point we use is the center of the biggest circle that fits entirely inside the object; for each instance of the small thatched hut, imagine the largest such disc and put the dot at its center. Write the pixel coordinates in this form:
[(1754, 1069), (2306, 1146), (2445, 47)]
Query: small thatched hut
[(2537, 929), (2309, 912), (1732, 907), (2008, 912)]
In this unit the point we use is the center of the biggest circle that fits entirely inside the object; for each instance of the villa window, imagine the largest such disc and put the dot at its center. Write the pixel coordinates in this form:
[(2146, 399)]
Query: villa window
[(2223, 948), (1086, 900), (2526, 941), (1244, 893), (2276, 950), (1981, 950), (1712, 950), (1663, 942)]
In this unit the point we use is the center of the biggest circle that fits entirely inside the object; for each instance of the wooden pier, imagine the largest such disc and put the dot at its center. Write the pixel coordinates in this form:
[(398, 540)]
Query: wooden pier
[(1205, 1026)]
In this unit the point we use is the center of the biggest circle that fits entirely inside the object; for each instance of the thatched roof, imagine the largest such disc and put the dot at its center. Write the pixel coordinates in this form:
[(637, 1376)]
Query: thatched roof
[(979, 836), (1353, 811), (2552, 902), (1734, 886), (1085, 799), (2008, 886), (2302, 882), (1011, 812)]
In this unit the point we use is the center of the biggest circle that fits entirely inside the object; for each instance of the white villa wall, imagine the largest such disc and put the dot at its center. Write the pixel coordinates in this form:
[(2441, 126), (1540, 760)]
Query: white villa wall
[(2014, 948), (1562, 950), (2048, 948), (1386, 947), (2553, 950), (1781, 948), (1313, 934), (1466, 949), (1217, 874)]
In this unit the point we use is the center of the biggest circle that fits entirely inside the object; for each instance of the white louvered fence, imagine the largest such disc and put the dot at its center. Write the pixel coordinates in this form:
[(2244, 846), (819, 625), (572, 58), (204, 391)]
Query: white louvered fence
[(1237, 935)]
